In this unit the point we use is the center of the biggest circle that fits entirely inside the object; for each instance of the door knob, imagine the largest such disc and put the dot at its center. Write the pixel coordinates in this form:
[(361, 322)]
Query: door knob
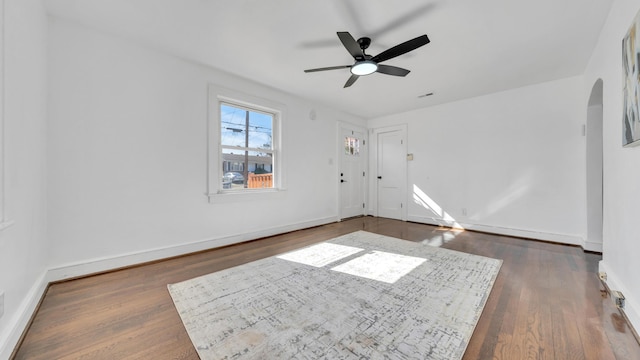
[(342, 180), (379, 177)]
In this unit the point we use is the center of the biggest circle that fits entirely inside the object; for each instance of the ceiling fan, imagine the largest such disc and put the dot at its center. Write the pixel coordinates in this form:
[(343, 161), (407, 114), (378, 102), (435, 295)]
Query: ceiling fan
[(366, 64)]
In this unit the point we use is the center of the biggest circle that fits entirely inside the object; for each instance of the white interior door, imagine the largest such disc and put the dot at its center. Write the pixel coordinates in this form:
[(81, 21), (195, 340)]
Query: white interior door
[(352, 171), (391, 173)]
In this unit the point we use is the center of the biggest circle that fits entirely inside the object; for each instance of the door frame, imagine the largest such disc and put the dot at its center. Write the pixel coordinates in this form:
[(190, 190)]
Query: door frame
[(373, 165), (364, 153)]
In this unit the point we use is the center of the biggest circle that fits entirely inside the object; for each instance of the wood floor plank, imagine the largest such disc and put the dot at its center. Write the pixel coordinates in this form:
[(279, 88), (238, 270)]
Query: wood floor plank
[(547, 302)]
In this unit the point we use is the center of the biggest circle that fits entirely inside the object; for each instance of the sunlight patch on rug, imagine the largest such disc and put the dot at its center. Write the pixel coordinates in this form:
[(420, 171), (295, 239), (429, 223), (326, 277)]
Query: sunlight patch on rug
[(380, 266), (287, 309), (321, 254)]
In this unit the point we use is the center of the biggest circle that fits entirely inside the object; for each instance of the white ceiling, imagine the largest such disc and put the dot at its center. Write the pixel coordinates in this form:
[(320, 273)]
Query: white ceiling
[(477, 47)]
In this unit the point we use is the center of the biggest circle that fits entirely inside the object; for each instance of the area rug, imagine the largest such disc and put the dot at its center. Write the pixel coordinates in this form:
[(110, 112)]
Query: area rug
[(358, 296)]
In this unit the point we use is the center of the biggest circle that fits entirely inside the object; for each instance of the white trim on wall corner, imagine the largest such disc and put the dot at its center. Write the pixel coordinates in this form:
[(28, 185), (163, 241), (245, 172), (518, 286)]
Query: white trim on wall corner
[(528, 234), (20, 320), (593, 246)]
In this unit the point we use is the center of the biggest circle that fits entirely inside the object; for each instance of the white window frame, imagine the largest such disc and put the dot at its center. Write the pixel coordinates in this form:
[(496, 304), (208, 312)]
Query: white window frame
[(217, 96)]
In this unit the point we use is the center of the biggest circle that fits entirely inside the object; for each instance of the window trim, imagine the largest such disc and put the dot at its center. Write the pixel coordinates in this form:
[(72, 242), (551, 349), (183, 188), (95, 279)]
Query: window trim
[(219, 95)]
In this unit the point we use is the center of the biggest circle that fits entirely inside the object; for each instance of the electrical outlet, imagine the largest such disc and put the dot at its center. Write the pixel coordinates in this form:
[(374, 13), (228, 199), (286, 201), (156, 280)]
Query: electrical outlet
[(618, 298), (1, 303)]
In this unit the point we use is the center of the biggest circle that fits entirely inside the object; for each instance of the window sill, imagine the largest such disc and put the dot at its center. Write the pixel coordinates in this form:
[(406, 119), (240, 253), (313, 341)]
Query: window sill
[(229, 196), (4, 224)]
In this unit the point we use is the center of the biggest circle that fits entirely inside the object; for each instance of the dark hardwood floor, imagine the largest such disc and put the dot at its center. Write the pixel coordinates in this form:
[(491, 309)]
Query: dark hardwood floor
[(547, 302)]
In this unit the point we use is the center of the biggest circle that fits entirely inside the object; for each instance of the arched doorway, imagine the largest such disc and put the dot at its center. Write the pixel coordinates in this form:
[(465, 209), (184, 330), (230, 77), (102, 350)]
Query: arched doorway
[(594, 239)]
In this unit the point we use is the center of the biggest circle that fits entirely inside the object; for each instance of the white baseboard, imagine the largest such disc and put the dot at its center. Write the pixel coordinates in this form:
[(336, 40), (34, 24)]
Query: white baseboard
[(9, 339), (593, 246), (631, 307), (114, 262), (529, 234)]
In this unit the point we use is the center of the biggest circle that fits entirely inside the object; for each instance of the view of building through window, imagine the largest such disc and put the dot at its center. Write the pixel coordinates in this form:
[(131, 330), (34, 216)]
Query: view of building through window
[(246, 139)]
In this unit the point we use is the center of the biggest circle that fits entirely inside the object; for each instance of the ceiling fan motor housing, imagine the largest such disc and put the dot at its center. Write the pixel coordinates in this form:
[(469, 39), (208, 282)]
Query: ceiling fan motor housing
[(364, 43)]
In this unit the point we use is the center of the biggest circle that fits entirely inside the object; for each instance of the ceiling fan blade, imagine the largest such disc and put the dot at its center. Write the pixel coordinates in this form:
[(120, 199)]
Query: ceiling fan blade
[(392, 70), (328, 68), (351, 80), (400, 49), (351, 45)]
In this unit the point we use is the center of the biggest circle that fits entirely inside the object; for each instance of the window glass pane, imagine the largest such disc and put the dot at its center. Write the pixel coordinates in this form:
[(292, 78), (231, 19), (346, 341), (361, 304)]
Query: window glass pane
[(232, 126), (260, 130), (236, 175), (260, 174), (242, 130), (352, 146), (245, 128)]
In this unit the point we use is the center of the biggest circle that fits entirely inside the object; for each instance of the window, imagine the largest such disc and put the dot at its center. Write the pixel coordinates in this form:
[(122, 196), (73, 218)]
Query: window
[(244, 144), (352, 146)]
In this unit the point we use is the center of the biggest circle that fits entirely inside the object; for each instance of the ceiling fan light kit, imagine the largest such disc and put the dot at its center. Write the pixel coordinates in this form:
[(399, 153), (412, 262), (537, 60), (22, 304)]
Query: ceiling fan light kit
[(366, 64), (364, 67)]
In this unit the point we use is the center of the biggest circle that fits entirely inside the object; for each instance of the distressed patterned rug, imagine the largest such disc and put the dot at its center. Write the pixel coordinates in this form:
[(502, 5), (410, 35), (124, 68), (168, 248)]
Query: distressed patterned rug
[(358, 296)]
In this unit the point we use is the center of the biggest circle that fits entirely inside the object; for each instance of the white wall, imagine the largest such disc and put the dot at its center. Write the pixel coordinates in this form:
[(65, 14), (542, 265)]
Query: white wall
[(514, 160), (23, 246), (127, 157), (621, 242)]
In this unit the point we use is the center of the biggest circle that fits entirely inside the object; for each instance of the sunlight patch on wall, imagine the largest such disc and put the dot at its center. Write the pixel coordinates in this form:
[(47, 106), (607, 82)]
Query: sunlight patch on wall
[(422, 199), (515, 191)]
